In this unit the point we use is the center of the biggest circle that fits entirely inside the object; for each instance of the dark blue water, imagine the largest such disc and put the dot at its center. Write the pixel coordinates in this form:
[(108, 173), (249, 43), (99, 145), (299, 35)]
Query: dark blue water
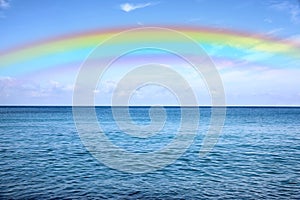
[(257, 156)]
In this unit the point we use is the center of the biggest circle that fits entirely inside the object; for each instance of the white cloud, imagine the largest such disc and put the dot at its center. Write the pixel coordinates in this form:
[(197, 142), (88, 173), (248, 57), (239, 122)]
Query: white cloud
[(293, 9), (152, 95), (268, 20), (106, 87), (52, 92), (4, 4), (261, 86), (140, 23), (274, 31), (128, 7)]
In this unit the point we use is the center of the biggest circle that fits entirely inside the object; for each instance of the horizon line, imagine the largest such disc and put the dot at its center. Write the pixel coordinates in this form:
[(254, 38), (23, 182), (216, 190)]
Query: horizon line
[(67, 105)]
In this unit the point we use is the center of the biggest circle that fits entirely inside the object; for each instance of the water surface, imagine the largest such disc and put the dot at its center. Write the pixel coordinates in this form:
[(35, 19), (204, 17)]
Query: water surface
[(257, 156)]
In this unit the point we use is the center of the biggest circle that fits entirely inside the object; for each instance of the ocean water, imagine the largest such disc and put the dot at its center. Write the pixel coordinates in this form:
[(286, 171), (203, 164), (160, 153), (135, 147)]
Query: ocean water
[(257, 157)]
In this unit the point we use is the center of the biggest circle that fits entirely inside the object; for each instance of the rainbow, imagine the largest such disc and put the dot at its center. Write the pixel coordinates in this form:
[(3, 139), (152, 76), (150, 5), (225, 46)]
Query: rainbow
[(76, 47)]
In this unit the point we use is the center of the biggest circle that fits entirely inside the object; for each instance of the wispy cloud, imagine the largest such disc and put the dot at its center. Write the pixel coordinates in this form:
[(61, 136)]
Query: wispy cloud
[(268, 20), (293, 9), (128, 7), (274, 32), (4, 4), (52, 92)]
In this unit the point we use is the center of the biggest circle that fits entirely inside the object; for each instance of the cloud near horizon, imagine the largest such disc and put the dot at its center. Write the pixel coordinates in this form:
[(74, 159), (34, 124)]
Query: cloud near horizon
[(128, 7)]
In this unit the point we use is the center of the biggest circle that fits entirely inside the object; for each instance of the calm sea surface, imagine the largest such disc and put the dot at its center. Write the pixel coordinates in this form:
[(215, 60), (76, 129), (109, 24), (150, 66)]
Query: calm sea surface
[(257, 156)]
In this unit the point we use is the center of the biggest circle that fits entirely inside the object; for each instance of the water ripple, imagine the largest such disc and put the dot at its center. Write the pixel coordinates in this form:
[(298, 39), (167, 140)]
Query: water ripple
[(257, 157)]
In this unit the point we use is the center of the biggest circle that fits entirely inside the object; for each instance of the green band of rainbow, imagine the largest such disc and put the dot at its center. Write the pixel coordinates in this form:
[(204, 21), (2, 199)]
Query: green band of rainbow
[(77, 46)]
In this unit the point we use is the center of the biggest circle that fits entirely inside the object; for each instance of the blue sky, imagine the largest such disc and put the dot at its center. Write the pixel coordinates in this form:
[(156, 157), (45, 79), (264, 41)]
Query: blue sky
[(24, 21), (27, 21)]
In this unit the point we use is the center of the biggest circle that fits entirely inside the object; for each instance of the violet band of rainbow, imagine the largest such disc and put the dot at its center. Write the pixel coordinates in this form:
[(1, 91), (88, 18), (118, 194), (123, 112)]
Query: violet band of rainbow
[(75, 47)]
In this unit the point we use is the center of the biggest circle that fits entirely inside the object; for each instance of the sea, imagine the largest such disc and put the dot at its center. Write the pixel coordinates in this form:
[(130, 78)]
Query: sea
[(257, 156)]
